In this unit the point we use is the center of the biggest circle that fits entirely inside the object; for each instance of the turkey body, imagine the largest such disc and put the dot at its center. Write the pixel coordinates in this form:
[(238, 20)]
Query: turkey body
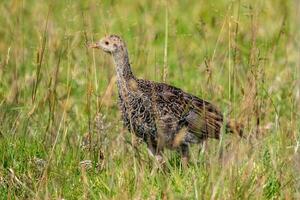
[(157, 112)]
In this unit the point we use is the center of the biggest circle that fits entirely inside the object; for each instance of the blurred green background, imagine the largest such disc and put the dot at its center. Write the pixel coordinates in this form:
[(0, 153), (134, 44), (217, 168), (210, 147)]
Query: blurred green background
[(60, 130)]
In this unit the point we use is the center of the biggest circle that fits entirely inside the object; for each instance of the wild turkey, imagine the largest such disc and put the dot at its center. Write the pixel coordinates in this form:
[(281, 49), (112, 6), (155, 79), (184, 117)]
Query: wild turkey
[(160, 114)]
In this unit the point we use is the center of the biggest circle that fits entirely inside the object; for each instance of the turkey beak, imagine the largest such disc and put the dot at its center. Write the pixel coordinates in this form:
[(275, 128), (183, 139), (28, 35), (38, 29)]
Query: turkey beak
[(95, 45)]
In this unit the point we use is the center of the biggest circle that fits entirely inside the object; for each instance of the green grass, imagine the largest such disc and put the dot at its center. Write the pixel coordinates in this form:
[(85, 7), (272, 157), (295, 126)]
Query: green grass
[(56, 109)]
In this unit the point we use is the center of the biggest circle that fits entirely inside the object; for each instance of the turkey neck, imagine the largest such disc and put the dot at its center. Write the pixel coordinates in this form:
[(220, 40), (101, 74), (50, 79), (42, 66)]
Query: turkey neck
[(123, 69)]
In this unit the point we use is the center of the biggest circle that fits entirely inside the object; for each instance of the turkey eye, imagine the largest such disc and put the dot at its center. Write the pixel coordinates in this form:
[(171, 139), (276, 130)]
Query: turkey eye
[(106, 42)]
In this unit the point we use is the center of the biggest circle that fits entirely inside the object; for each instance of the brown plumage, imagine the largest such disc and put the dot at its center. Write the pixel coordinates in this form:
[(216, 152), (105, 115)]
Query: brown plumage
[(160, 114)]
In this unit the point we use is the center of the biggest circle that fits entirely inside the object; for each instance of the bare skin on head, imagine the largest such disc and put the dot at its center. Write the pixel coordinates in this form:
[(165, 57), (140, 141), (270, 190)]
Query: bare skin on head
[(110, 44), (160, 114)]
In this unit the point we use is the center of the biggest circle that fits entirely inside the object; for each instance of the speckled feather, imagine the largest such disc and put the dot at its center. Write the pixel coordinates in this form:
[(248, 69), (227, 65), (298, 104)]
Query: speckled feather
[(152, 106)]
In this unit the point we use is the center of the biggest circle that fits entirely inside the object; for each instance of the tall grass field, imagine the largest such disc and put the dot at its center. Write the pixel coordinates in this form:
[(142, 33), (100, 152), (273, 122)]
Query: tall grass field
[(61, 134)]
